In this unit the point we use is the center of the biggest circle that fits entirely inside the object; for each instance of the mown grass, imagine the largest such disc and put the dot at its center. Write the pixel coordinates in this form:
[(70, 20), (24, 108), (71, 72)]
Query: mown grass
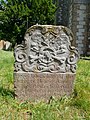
[(76, 107)]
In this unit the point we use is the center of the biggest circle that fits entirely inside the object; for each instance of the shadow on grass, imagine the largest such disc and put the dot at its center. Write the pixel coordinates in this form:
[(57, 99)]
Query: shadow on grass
[(7, 92)]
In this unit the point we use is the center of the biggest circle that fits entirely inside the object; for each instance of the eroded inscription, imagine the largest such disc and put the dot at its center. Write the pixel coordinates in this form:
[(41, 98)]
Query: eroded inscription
[(43, 86)]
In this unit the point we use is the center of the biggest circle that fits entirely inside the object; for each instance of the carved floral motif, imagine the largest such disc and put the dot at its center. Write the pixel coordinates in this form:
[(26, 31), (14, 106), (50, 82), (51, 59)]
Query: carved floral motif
[(46, 49)]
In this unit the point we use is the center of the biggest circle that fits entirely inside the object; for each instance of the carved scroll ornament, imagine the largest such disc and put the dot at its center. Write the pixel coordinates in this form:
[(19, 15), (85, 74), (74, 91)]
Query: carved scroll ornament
[(46, 49)]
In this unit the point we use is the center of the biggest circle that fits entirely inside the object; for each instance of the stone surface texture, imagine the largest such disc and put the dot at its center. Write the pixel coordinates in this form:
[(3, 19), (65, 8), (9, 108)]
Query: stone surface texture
[(45, 64), (42, 86), (79, 23), (1, 44), (76, 15), (5, 45)]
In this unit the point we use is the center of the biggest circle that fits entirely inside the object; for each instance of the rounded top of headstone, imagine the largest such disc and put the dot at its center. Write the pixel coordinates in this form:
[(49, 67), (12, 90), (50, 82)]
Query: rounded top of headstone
[(55, 30), (47, 48)]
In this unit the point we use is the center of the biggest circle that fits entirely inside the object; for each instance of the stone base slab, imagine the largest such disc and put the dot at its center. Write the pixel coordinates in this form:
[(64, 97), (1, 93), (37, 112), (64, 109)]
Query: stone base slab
[(41, 86)]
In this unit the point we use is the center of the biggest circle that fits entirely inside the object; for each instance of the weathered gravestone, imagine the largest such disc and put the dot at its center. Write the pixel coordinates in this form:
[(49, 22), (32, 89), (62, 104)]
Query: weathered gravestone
[(45, 65), (2, 44), (8, 45), (5, 45)]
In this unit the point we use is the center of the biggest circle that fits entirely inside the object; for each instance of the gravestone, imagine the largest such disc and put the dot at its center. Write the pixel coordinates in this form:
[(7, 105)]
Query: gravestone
[(5, 45), (8, 45), (45, 63), (1, 44)]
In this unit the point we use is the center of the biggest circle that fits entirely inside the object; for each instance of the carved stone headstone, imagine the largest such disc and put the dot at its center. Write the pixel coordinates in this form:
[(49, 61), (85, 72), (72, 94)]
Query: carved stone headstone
[(45, 64)]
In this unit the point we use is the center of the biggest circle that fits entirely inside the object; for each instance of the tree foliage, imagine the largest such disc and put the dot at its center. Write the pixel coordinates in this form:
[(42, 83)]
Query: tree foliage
[(17, 15)]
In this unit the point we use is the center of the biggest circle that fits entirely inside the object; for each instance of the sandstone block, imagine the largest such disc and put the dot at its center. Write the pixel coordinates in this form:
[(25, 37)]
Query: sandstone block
[(42, 86)]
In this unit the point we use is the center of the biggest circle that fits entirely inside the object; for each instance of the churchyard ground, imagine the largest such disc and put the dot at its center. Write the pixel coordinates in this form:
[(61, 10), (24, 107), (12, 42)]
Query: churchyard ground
[(75, 107)]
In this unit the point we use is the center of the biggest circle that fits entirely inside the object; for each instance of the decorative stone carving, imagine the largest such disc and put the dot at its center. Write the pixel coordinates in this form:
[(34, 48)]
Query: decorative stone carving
[(47, 49), (45, 63)]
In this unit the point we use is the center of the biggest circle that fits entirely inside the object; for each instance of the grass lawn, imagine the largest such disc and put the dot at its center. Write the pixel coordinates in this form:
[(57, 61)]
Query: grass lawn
[(76, 107)]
